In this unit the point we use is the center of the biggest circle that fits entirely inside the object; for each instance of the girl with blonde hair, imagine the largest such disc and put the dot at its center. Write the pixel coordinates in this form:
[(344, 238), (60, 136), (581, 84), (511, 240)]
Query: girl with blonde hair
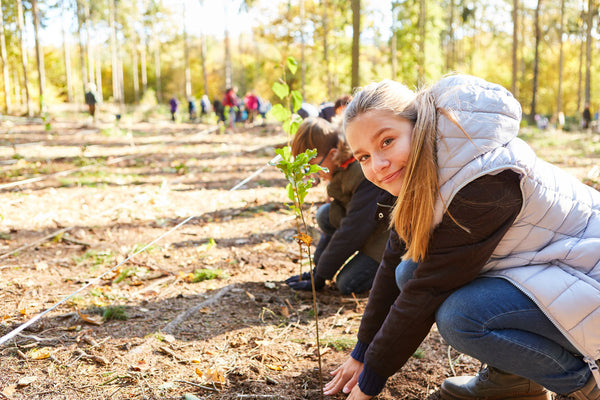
[(497, 247)]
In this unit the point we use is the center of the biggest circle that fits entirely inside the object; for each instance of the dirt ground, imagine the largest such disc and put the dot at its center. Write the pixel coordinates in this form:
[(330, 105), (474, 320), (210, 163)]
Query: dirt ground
[(150, 327)]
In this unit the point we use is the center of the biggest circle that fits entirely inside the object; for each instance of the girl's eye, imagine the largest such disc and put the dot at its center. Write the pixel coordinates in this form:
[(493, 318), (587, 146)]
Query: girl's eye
[(363, 158), (386, 142)]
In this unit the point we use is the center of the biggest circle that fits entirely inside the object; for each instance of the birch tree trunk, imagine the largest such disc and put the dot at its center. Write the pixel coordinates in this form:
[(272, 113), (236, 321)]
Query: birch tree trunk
[(7, 104), (67, 56), (99, 90), (515, 45), (203, 61), (302, 51), (20, 19), (325, 17), (134, 69), (157, 71), (228, 69), (422, 33), (113, 50), (588, 50), (355, 43), (39, 53), (186, 58), (143, 64), (82, 51), (535, 61), (90, 58), (394, 44), (560, 58)]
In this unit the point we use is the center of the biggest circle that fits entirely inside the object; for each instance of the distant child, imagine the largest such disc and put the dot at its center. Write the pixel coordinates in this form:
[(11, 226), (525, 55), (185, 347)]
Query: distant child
[(350, 222), (231, 104), (192, 108), (173, 103), (90, 100)]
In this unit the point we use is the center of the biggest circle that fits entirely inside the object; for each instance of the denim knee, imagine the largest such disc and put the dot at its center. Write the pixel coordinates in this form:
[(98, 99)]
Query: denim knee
[(322, 218), (404, 272)]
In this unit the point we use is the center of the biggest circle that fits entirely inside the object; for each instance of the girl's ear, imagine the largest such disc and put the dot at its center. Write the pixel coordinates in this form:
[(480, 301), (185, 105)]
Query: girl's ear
[(333, 154)]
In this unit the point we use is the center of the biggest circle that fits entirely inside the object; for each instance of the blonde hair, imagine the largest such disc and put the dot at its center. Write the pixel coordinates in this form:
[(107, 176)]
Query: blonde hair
[(319, 134), (413, 212)]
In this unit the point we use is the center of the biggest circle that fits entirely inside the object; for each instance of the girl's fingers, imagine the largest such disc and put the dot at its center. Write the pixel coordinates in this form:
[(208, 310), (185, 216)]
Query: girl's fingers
[(351, 383)]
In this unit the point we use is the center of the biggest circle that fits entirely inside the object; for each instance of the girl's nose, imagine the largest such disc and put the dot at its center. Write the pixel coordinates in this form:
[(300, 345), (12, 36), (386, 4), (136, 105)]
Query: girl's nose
[(379, 163)]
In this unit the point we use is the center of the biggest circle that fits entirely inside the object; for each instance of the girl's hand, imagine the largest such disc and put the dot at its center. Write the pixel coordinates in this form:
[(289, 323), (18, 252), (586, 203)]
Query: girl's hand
[(357, 394), (346, 377)]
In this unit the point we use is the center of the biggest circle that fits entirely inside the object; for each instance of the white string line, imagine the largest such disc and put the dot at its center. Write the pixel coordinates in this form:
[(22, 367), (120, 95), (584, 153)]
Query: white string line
[(116, 160), (96, 280)]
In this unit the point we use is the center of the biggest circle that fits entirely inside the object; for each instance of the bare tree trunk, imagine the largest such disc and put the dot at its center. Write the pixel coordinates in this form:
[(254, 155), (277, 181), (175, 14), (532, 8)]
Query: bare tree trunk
[(228, 69), (113, 50), (88, 43), (355, 43), (394, 44), (588, 50), (560, 58), (580, 73), (7, 104), (134, 70), (99, 90), (39, 53), (302, 51), (203, 61), (17, 87), (23, 55), (451, 42), (186, 59), (67, 55), (143, 64), (422, 32), (324, 5), (159, 95), (515, 45), (535, 61), (80, 22)]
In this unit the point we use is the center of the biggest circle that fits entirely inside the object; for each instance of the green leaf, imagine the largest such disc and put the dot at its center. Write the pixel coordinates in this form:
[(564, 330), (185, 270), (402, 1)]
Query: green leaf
[(292, 65), (281, 89), (280, 113), (296, 100), (290, 191)]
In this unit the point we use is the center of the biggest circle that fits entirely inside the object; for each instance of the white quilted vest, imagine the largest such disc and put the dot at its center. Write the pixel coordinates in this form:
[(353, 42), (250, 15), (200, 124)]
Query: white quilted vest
[(552, 251)]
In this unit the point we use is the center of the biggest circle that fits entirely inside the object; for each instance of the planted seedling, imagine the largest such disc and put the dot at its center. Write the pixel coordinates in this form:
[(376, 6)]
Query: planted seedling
[(299, 173)]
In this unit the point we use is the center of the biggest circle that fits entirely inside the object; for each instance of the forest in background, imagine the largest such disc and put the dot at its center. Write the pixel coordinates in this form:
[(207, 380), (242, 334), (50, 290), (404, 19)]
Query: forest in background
[(142, 52)]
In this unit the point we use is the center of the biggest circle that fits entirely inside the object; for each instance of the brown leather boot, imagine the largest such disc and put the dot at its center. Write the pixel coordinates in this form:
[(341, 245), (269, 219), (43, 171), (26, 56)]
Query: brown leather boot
[(492, 384), (589, 392)]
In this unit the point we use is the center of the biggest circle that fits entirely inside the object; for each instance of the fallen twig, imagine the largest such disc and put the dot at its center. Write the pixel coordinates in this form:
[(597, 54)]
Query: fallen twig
[(174, 324)]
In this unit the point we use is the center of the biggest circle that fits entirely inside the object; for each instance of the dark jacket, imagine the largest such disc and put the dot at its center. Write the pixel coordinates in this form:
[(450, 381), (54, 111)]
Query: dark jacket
[(360, 224)]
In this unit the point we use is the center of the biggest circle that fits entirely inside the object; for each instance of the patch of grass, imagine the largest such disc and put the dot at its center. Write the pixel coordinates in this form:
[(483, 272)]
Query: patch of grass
[(206, 274), (114, 313), (138, 246), (125, 273), (95, 257), (339, 343), (419, 353)]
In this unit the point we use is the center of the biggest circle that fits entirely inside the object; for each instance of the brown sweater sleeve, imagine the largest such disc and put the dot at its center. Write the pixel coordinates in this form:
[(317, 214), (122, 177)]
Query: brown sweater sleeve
[(487, 207)]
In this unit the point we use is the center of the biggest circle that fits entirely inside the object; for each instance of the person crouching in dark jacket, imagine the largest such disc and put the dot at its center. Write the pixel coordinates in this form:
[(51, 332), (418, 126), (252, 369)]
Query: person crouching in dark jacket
[(354, 224)]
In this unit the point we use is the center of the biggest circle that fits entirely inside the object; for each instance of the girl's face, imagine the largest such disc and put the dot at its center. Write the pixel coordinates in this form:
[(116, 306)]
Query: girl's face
[(381, 142)]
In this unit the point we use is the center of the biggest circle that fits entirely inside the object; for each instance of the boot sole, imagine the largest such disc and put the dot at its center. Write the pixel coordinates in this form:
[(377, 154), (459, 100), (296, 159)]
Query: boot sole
[(533, 396)]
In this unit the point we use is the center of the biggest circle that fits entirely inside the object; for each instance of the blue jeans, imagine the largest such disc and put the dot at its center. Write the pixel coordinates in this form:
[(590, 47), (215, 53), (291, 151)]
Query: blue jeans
[(492, 320), (359, 271)]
